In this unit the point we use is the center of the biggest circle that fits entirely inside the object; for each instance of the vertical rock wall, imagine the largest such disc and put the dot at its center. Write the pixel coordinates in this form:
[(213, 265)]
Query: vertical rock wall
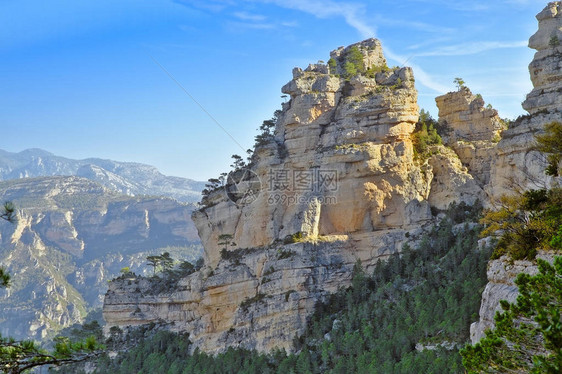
[(354, 135), (516, 165)]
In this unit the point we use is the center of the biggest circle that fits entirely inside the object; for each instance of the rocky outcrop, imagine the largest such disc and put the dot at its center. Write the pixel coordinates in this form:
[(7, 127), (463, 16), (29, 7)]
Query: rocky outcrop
[(255, 299), (473, 131), (516, 164), (501, 286), (71, 236), (466, 117), (340, 162), (336, 182), (546, 69), (452, 181)]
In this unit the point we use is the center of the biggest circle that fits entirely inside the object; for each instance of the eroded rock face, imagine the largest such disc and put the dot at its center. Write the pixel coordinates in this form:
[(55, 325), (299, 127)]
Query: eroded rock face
[(452, 181), (517, 165), (338, 174), (257, 299), (340, 163), (501, 286), (546, 67), (467, 118), (473, 131)]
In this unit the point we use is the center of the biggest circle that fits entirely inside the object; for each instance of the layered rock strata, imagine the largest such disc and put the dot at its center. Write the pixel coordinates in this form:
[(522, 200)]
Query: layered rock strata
[(473, 131), (71, 236), (516, 164), (256, 299), (340, 162)]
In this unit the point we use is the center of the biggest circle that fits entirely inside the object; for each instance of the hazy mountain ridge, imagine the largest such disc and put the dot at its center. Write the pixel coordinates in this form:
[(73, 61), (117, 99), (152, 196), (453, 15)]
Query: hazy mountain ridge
[(71, 236), (126, 177)]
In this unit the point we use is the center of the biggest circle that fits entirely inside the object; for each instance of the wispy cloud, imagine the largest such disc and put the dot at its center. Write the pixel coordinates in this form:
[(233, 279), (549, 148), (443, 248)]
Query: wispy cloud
[(210, 5), (520, 2), (462, 6), (252, 25), (472, 48), (421, 26), (245, 16), (289, 23), (421, 75), (353, 13), (429, 42)]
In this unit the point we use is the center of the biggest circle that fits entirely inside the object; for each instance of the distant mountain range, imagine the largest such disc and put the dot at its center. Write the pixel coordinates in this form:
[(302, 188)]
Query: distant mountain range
[(71, 236), (129, 178)]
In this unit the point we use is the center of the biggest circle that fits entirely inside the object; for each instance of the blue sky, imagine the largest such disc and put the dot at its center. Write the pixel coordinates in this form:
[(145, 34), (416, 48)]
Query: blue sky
[(79, 78)]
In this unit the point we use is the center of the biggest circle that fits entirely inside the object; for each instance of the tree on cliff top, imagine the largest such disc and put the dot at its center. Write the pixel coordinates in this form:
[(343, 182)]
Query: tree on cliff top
[(459, 82)]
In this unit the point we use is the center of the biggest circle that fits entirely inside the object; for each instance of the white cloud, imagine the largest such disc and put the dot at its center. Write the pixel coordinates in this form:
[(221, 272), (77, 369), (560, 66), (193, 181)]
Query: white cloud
[(245, 16), (421, 76), (472, 48), (421, 26), (209, 5), (253, 25), (463, 6), (429, 42), (352, 12)]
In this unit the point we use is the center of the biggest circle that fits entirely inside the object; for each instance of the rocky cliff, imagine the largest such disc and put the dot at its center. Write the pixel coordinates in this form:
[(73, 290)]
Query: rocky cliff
[(501, 286), (71, 236), (129, 178), (340, 163), (337, 182), (473, 131), (516, 165)]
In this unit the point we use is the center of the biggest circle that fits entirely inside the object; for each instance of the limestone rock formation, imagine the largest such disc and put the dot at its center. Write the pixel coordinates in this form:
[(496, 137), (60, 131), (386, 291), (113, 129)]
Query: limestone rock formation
[(546, 69), (467, 118), (517, 165), (337, 182), (340, 163), (452, 181), (501, 276), (255, 299), (473, 130)]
